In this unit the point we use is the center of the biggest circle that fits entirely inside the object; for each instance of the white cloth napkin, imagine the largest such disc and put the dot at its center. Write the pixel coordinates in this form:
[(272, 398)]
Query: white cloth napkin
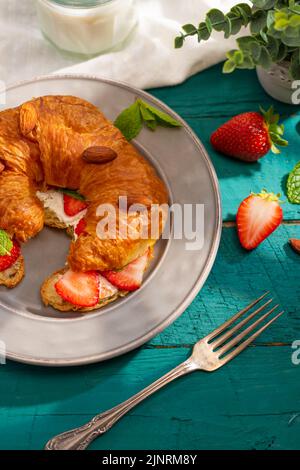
[(147, 59)]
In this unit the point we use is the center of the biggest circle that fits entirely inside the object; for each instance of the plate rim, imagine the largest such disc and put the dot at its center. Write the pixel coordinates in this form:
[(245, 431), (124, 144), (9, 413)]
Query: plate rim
[(210, 260)]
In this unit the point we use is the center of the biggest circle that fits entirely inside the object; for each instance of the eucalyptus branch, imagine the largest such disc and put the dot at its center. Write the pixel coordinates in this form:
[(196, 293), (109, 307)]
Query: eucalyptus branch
[(275, 33)]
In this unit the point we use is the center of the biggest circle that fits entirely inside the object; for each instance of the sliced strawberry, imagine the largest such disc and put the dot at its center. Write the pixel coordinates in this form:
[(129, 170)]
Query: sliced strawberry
[(106, 289), (258, 216), (129, 278), (7, 261), (73, 206), (80, 227), (80, 289)]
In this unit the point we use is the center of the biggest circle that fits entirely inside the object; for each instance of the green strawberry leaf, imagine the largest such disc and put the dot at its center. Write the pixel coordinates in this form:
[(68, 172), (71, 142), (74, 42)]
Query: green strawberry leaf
[(130, 121), (293, 185), (6, 243), (72, 193), (275, 130)]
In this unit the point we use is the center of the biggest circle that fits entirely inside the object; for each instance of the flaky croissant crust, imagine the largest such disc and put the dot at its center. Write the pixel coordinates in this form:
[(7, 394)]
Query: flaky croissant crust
[(41, 145)]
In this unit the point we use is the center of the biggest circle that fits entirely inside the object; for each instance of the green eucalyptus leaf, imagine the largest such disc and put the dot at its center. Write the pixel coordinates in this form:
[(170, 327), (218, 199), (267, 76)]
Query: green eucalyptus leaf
[(291, 42), (245, 7), (227, 27), (263, 35), (208, 25), (229, 66), (178, 43), (265, 59), (273, 45), (295, 9), (270, 18), (281, 24), (247, 63), (255, 50), (190, 29), (203, 32), (294, 21), (236, 23), (258, 22), (282, 52), (236, 56), (217, 19), (245, 42), (264, 4)]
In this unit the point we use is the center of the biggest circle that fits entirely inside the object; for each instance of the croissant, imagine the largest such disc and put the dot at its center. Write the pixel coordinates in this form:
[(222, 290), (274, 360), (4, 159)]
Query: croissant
[(42, 144)]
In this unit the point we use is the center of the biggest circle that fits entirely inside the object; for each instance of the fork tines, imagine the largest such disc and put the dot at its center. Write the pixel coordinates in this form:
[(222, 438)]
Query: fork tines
[(223, 340)]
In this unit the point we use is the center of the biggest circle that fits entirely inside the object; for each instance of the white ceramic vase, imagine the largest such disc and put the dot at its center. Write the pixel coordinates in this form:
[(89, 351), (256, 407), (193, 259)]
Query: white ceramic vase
[(277, 82)]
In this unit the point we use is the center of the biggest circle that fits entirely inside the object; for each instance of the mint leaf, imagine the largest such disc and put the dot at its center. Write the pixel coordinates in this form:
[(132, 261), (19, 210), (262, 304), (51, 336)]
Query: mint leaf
[(293, 185), (73, 194), (162, 118), (130, 121), (5, 243), (148, 117)]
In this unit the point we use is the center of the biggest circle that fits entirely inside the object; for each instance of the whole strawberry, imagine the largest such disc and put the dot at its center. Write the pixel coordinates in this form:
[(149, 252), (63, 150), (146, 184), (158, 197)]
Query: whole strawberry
[(250, 136)]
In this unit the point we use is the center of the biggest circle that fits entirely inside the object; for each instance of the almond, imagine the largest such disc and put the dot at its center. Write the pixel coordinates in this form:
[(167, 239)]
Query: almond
[(295, 244), (28, 118), (99, 154)]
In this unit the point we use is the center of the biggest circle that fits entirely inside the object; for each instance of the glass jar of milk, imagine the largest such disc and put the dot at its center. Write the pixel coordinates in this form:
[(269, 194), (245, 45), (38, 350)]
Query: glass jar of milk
[(86, 26)]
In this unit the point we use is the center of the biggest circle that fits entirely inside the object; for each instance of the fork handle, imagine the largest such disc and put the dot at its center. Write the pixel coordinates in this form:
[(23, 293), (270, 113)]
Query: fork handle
[(80, 438)]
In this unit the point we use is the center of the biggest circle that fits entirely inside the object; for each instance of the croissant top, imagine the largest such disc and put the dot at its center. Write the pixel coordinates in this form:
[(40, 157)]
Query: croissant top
[(51, 141)]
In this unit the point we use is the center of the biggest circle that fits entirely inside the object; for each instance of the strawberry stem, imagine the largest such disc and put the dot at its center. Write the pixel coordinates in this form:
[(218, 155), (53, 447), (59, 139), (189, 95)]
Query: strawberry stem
[(272, 197), (275, 129)]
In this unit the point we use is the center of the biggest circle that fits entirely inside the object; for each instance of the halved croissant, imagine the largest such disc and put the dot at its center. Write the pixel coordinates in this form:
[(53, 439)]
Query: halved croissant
[(42, 144)]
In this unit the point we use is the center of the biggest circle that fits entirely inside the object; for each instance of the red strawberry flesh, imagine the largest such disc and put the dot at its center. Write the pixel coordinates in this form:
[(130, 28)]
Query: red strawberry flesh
[(7, 261), (258, 216), (80, 227), (80, 289), (129, 278), (245, 137), (73, 206)]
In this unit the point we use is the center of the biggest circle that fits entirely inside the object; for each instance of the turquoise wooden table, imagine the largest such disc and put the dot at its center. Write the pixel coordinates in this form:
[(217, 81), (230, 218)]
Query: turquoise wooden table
[(254, 402)]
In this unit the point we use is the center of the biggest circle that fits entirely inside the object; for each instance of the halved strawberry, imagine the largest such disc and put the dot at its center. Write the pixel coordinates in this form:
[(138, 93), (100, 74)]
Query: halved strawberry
[(106, 289), (258, 216), (7, 261), (73, 206), (80, 289), (80, 227), (129, 278)]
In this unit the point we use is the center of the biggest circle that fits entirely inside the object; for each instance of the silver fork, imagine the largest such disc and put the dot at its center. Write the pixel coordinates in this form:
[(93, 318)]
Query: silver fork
[(209, 354)]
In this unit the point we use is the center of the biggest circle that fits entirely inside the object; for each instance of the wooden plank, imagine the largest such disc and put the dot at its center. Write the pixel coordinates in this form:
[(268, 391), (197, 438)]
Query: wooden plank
[(209, 99), (253, 403), (237, 278)]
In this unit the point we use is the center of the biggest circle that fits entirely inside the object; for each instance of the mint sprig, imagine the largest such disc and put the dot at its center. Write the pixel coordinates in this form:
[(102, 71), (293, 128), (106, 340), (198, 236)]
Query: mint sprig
[(72, 193), (6, 243), (130, 122), (293, 185)]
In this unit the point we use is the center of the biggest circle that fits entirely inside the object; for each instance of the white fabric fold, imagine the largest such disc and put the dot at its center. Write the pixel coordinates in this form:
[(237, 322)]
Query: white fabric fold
[(147, 58)]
